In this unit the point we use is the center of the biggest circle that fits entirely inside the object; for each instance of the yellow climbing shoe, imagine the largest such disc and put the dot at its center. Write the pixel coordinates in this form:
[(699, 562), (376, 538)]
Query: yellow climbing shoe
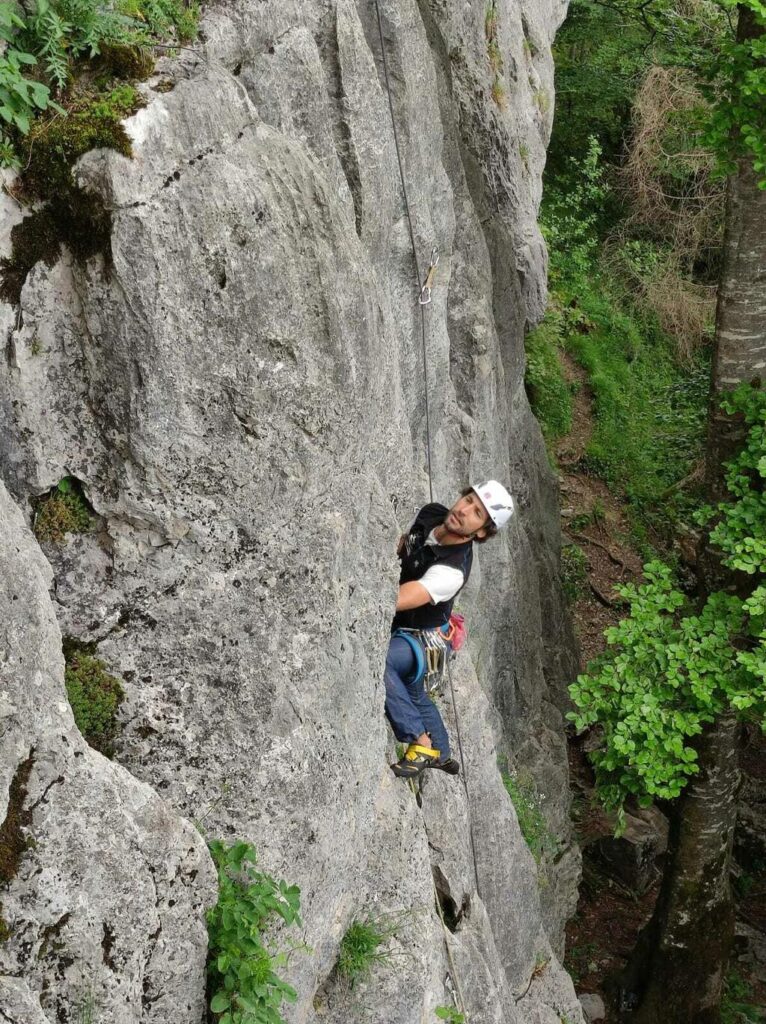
[(414, 761)]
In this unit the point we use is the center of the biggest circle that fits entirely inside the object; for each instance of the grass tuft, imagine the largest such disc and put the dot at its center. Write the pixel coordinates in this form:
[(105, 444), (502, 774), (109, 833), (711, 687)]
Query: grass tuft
[(526, 803), (360, 948)]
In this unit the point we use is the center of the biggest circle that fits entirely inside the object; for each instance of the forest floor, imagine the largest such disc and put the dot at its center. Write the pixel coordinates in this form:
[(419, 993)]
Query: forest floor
[(610, 914)]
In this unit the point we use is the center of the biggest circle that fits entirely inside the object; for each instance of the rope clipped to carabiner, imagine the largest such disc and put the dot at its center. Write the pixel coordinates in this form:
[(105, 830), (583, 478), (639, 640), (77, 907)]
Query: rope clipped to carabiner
[(425, 291)]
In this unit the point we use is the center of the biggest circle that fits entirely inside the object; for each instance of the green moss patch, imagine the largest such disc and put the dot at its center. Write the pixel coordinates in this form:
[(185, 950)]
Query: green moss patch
[(63, 510), (54, 144), (13, 841), (131, 63), (35, 240), (94, 694), (71, 216)]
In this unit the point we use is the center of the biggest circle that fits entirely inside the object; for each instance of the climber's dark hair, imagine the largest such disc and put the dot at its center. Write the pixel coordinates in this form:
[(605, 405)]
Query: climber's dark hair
[(489, 526)]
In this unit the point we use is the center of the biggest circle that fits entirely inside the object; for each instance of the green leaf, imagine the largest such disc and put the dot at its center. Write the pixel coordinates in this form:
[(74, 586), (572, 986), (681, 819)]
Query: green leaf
[(221, 1001)]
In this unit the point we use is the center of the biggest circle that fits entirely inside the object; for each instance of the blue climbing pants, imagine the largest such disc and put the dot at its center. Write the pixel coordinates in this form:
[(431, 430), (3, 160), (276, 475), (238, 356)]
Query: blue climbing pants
[(409, 709)]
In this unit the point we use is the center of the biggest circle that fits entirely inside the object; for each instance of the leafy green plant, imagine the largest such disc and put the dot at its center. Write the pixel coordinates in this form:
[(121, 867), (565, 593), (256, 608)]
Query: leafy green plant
[(20, 97), (734, 79), (360, 947), (671, 668), (62, 31), (94, 694), (165, 18), (244, 985), (64, 510), (451, 1014), (569, 216)]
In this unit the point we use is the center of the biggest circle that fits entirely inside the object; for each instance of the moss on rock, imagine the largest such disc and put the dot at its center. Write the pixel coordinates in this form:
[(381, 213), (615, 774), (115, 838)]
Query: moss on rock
[(71, 216), (94, 694), (13, 840), (63, 510)]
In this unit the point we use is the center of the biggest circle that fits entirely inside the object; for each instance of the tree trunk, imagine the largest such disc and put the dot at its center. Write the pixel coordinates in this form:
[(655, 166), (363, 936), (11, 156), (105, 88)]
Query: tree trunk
[(677, 967), (676, 972), (740, 329)]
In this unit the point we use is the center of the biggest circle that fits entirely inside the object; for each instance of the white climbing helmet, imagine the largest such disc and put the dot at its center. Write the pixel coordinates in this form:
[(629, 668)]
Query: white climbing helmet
[(496, 500)]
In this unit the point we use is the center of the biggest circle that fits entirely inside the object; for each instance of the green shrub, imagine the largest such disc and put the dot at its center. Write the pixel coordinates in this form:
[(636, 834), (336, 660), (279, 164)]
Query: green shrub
[(673, 665), (569, 216), (574, 572), (244, 987), (60, 32), (165, 18), (95, 696), (533, 826), (21, 98), (63, 510), (549, 393), (359, 948)]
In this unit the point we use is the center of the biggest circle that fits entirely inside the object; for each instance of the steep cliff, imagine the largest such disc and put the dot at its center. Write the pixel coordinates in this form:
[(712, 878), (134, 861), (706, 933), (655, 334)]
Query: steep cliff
[(239, 389)]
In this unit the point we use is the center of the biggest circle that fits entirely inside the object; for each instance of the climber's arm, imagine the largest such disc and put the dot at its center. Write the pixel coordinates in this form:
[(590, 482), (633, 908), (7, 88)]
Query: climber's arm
[(412, 595)]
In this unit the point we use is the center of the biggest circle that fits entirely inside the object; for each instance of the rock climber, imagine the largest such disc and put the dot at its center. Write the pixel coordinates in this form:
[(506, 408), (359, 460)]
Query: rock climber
[(436, 556)]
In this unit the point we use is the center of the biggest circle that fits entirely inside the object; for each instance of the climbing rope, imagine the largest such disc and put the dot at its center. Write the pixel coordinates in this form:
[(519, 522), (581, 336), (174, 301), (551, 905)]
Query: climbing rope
[(424, 287), (465, 778), (424, 300)]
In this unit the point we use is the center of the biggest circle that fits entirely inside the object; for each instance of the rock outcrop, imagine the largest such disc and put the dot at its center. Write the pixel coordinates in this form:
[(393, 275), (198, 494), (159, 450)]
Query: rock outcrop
[(103, 883), (239, 390)]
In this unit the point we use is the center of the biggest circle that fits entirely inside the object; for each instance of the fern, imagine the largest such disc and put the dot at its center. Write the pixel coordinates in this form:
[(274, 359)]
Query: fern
[(95, 25), (47, 34)]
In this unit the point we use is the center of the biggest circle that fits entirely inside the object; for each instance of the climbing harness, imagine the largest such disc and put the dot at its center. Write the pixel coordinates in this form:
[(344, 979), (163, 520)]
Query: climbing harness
[(431, 648)]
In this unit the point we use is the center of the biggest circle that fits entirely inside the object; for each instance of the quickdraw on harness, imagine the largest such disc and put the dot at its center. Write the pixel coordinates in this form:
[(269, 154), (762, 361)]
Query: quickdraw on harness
[(432, 649)]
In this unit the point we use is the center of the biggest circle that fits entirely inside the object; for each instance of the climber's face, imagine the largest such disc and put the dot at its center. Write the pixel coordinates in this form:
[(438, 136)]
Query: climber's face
[(467, 517)]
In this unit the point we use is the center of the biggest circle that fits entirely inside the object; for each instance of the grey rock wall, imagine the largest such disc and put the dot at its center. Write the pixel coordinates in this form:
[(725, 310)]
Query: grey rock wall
[(104, 883), (241, 394)]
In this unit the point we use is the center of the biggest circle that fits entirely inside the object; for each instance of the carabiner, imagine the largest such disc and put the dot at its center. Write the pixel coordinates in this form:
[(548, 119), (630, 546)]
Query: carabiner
[(425, 291)]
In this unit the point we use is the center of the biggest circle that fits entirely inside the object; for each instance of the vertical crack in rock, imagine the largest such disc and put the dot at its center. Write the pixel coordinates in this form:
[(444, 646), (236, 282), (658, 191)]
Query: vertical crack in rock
[(452, 913), (328, 47)]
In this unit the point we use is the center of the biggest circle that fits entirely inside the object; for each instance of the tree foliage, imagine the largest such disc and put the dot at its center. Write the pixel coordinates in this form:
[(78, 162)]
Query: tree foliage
[(670, 668)]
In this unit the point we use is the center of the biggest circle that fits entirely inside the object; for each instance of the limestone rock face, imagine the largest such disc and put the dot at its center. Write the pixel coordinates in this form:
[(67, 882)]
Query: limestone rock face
[(240, 392), (104, 885)]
